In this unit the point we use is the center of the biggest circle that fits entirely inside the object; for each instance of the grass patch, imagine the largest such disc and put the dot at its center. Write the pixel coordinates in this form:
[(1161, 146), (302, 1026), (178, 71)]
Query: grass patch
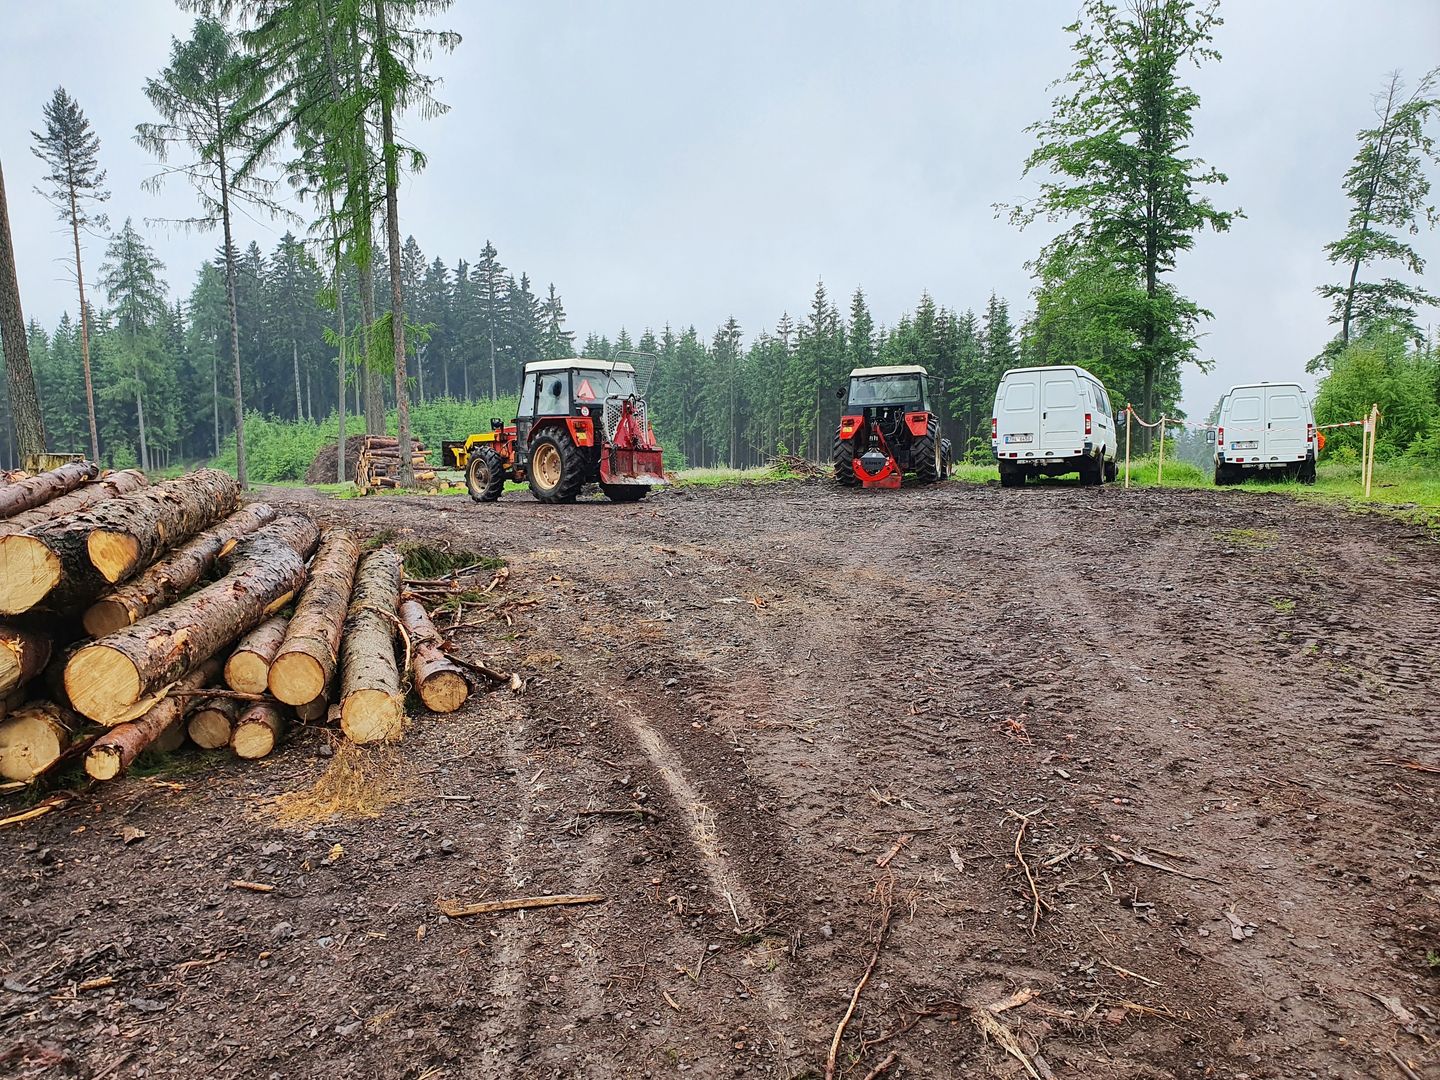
[(429, 561), (1250, 539), (1283, 604), (722, 477)]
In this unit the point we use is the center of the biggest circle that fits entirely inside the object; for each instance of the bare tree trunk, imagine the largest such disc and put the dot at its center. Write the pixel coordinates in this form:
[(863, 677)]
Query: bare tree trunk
[(234, 320), (24, 402), (140, 420), (392, 236), (84, 332), (215, 395), (343, 363), (299, 401)]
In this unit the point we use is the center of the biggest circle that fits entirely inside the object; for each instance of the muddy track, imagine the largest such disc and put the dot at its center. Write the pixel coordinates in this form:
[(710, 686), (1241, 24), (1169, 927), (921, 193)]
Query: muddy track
[(770, 692)]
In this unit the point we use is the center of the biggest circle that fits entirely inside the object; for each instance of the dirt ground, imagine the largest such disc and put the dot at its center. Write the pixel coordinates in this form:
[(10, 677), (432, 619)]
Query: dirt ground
[(796, 685)]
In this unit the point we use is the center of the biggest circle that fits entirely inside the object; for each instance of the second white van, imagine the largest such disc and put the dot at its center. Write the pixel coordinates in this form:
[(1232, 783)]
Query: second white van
[(1262, 427), (1049, 421)]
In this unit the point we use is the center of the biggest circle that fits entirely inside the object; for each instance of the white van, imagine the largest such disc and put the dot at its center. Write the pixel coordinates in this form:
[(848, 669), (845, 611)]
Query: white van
[(1052, 420), (1264, 426)]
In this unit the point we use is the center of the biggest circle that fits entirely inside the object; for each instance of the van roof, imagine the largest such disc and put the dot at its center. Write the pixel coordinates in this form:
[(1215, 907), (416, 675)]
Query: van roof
[(1258, 385), (889, 369), (579, 362), (1050, 367)]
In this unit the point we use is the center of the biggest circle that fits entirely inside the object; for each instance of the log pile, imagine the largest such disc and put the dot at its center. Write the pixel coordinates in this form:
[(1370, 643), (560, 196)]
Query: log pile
[(135, 616), (378, 464)]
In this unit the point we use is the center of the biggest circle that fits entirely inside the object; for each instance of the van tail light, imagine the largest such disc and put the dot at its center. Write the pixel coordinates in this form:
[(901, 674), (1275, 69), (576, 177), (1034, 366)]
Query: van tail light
[(1309, 433), (1087, 423), (1220, 436), (994, 427)]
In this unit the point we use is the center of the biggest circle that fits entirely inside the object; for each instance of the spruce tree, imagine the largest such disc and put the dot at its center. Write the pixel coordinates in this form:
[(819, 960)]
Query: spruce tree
[(76, 183), (556, 343)]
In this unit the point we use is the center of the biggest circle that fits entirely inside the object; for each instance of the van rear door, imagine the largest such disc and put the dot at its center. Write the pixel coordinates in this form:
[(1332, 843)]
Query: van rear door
[(1244, 423), (1017, 414), (1285, 424), (1062, 413)]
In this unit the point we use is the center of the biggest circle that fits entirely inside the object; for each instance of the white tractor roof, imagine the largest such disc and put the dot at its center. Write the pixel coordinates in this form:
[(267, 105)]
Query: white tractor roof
[(892, 369), (578, 362)]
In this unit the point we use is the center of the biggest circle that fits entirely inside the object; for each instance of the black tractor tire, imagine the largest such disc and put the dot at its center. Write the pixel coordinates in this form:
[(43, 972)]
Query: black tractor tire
[(946, 465), (557, 469), (485, 475), (1112, 471), (1011, 476), (925, 454), (842, 456), (625, 493)]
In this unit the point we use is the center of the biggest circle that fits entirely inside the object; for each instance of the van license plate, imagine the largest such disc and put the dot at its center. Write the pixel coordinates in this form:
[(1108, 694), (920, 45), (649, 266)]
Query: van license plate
[(1019, 438), (1250, 444)]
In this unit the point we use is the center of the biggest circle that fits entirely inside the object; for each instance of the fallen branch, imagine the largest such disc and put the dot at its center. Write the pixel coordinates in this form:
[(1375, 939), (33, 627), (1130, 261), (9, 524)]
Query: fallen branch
[(1417, 766), (1140, 859), (457, 910), (499, 678), (885, 890), (1024, 820), (895, 849), (989, 1025), (251, 886), (884, 1065), (1128, 974)]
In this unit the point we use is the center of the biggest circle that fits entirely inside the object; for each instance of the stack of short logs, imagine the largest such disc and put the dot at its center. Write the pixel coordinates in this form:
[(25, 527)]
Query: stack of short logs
[(378, 465), (134, 616)]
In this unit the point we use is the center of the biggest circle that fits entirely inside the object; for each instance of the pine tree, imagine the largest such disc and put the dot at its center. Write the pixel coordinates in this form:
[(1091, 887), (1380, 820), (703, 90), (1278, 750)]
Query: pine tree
[(1387, 188), (130, 276), (488, 277), (24, 403), (198, 104), (71, 151), (556, 343)]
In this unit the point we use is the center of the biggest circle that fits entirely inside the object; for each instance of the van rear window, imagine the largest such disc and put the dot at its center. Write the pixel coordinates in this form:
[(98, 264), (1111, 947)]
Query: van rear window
[(1019, 396), (1060, 394), (1285, 407), (1244, 408)]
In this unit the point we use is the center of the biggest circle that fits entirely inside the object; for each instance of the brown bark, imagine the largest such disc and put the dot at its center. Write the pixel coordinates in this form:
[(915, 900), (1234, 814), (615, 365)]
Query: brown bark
[(375, 442), (24, 402), (213, 721), (168, 580), (257, 731), (106, 679), (39, 490), (441, 683), (23, 655), (65, 562), (372, 708), (33, 737), (248, 669), (110, 486), (113, 752), (305, 665)]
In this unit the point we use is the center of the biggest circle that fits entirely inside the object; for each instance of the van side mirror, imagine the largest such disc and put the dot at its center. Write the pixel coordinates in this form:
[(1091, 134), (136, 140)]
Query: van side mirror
[(840, 393), (1210, 436)]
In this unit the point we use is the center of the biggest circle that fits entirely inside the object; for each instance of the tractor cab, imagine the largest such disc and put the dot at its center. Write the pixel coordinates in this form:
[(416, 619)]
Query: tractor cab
[(578, 421), (888, 429)]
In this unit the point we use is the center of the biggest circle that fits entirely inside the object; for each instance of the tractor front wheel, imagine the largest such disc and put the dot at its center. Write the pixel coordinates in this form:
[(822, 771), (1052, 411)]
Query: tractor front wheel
[(842, 456), (557, 472), (623, 493), (485, 475)]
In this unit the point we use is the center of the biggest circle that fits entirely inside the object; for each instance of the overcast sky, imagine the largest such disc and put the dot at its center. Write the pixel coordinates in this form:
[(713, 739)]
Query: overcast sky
[(662, 161)]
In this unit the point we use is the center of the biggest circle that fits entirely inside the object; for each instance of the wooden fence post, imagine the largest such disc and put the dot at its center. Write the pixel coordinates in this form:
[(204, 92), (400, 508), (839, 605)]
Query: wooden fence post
[(1128, 412)]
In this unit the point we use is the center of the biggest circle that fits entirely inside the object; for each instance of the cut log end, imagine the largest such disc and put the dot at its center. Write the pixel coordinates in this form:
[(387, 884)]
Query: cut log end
[(297, 678), (210, 727), (106, 616), (101, 682), (246, 672), (444, 691), (372, 716), (257, 732), (115, 554), (103, 763), (31, 740), (28, 572)]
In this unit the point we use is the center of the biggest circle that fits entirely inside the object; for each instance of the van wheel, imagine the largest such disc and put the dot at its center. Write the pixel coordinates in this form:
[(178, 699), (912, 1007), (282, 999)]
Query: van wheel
[(1011, 476), (1092, 471), (1223, 476), (1112, 471), (1307, 472)]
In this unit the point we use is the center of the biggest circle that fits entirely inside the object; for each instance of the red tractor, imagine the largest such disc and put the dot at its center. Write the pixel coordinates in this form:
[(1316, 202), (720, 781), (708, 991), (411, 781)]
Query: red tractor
[(888, 431), (579, 422)]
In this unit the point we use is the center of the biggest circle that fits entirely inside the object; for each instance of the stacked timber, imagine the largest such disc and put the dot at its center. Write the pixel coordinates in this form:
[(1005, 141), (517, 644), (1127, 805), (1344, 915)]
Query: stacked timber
[(378, 465), (135, 616)]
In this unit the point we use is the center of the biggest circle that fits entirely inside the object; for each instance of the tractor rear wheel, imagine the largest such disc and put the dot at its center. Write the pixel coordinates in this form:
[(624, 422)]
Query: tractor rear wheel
[(946, 465), (842, 456), (925, 454), (623, 493), (485, 475), (557, 471)]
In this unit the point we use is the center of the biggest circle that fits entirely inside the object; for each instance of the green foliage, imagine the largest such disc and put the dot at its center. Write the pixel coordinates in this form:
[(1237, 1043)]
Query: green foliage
[(1387, 188), (1383, 367), (1114, 153)]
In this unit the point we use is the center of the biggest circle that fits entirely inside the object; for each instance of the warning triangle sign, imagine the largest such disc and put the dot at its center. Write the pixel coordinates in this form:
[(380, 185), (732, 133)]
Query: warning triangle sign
[(584, 392)]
